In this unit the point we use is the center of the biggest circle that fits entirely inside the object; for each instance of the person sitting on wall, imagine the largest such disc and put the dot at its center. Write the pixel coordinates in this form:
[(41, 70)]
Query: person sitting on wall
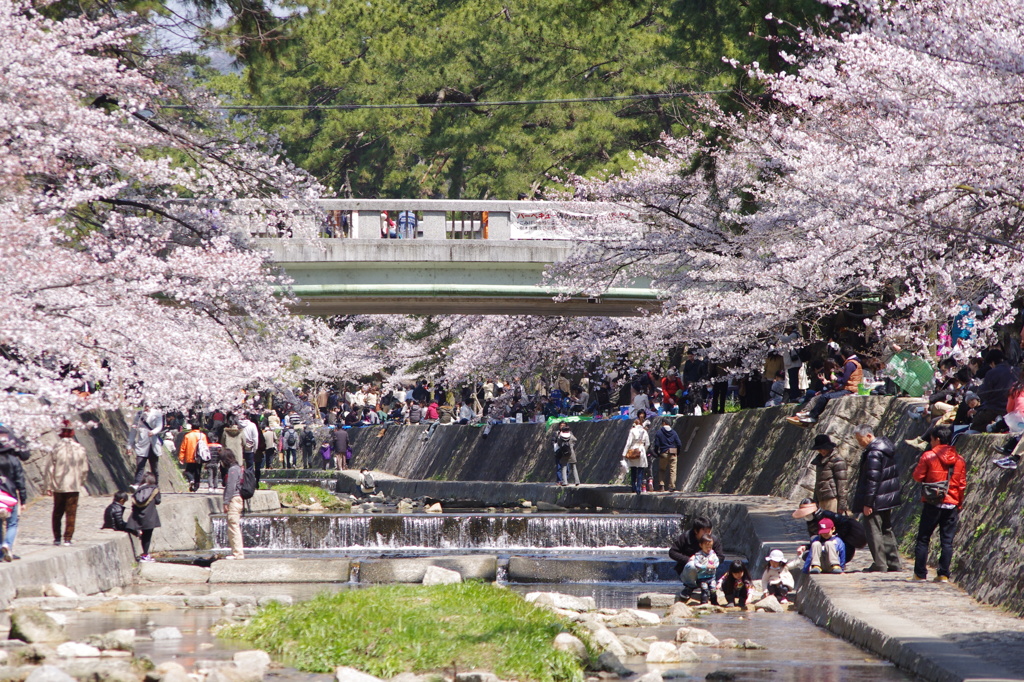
[(846, 384), (687, 544), (827, 553)]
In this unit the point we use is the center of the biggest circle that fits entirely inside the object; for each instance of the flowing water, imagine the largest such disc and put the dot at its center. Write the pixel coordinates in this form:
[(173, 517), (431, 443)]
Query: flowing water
[(460, 531)]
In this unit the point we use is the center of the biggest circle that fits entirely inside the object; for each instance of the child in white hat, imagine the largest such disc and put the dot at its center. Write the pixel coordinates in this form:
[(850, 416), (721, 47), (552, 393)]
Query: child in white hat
[(777, 580)]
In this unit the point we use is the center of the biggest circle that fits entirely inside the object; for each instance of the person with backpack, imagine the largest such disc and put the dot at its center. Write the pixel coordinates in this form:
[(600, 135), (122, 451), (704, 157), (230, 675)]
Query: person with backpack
[(233, 501), (366, 483), (307, 441), (289, 442), (194, 452), (12, 482), (145, 517), (942, 473)]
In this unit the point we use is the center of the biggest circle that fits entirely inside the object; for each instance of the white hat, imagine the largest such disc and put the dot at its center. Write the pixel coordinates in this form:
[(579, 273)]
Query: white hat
[(776, 555)]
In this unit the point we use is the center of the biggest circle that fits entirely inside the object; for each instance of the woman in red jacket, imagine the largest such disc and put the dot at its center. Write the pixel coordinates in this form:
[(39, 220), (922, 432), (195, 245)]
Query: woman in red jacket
[(940, 463)]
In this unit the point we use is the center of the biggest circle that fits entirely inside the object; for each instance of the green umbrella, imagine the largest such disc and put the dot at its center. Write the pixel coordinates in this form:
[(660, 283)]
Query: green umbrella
[(910, 372)]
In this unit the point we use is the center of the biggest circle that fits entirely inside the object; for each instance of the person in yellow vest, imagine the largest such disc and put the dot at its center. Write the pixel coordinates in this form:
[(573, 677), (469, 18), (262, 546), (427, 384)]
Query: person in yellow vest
[(846, 384)]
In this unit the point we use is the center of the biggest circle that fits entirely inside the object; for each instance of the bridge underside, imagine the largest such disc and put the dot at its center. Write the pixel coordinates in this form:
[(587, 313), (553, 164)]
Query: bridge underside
[(466, 300), (423, 277)]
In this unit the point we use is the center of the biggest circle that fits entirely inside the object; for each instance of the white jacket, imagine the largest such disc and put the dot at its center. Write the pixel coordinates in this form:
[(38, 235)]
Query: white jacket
[(637, 438), (777, 575)]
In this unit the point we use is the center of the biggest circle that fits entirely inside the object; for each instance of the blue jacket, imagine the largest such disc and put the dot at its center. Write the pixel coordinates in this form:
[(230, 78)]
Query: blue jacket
[(840, 547)]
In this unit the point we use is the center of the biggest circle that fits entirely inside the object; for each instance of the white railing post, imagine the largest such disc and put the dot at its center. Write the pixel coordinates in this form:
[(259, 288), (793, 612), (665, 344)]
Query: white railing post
[(498, 226), (433, 225)]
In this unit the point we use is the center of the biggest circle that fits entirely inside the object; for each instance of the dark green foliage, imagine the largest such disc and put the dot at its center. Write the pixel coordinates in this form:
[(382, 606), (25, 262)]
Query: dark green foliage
[(402, 51)]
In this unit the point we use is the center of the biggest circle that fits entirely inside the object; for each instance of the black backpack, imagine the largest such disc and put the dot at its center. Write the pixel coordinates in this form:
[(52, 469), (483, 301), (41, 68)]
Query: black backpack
[(248, 486)]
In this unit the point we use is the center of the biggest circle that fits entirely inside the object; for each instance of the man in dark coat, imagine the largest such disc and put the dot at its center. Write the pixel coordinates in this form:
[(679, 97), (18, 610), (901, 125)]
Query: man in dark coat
[(830, 474), (687, 544), (667, 446), (877, 494), (994, 390)]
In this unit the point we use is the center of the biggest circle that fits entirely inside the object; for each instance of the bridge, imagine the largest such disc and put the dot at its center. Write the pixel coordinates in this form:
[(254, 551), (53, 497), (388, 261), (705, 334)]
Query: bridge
[(461, 257)]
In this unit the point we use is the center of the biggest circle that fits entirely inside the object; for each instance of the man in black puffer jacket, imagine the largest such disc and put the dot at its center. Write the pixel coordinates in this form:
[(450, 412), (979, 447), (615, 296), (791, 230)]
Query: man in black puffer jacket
[(877, 494)]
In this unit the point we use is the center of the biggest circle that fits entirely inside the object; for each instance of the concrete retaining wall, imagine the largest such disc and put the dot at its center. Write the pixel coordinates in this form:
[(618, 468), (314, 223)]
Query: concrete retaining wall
[(111, 468)]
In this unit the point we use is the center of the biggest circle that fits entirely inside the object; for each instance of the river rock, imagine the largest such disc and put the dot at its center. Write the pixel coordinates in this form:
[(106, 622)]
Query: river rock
[(252, 663), (49, 673), (58, 590), (162, 634), (3, 657), (477, 676), (655, 600), (663, 652), (610, 662), (679, 611), (115, 640), (558, 600), (34, 654), (549, 507), (412, 677), (627, 618), (77, 650), (435, 575), (770, 604), (434, 508), (344, 674), (32, 625), (750, 645), (168, 671), (404, 507), (703, 609), (565, 641), (232, 599), (696, 636), (634, 645), (606, 640), (651, 676)]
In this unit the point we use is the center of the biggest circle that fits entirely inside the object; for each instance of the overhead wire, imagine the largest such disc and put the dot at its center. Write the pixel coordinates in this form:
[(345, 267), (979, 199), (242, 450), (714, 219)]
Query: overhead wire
[(443, 105)]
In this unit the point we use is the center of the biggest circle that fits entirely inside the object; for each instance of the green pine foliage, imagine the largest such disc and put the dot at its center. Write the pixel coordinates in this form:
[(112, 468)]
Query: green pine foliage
[(401, 51), (388, 630)]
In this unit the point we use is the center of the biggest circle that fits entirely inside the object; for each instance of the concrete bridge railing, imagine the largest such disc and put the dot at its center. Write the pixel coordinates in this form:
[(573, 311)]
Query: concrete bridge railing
[(440, 219)]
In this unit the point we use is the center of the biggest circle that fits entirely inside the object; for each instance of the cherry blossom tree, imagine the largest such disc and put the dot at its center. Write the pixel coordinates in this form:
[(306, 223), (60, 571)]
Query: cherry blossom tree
[(888, 167), (126, 271)]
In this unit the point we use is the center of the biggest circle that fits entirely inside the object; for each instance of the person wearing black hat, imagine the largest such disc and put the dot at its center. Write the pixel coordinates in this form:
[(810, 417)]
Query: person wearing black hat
[(847, 527), (831, 475)]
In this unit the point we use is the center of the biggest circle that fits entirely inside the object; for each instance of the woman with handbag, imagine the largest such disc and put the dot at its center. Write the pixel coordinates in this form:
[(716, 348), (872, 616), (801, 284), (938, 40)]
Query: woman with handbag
[(635, 454), (144, 516)]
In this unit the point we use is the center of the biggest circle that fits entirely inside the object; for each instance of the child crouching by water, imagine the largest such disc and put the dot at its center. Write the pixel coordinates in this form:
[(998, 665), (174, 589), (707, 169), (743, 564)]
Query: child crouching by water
[(776, 579), (699, 573), (736, 584)]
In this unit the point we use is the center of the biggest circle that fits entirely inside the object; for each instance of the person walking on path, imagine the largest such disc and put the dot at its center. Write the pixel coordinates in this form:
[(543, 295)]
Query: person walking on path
[(564, 443), (635, 454), (340, 447), (877, 494), (940, 464), (233, 502), (830, 475), (667, 446), (145, 517), (65, 477), (145, 441), (12, 481), (189, 457)]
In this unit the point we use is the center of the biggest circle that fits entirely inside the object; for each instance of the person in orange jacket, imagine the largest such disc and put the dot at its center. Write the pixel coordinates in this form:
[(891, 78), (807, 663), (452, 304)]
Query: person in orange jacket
[(940, 463)]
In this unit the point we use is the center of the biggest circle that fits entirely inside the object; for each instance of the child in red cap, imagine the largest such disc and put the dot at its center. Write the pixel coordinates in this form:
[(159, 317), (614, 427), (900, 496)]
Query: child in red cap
[(827, 552)]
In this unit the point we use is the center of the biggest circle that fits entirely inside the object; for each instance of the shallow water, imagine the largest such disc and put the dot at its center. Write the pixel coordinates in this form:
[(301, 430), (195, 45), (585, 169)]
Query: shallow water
[(796, 649)]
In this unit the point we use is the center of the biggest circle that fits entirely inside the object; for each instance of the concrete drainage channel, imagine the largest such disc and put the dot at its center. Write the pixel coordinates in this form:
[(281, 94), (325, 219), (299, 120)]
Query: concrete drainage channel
[(191, 599)]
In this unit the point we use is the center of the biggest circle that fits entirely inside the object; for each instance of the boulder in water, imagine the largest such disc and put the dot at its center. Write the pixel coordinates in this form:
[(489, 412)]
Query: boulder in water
[(696, 636), (346, 674), (33, 625), (558, 600), (435, 575)]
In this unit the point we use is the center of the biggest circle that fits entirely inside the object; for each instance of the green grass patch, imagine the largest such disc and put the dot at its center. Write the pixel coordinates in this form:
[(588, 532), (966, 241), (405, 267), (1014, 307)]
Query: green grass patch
[(294, 494), (411, 628)]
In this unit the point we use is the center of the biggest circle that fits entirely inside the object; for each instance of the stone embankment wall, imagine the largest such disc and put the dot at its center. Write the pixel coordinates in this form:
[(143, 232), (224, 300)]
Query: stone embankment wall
[(753, 452), (111, 467)]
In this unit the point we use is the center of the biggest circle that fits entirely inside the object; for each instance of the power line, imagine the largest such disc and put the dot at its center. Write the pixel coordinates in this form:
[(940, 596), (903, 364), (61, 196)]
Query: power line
[(444, 105)]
